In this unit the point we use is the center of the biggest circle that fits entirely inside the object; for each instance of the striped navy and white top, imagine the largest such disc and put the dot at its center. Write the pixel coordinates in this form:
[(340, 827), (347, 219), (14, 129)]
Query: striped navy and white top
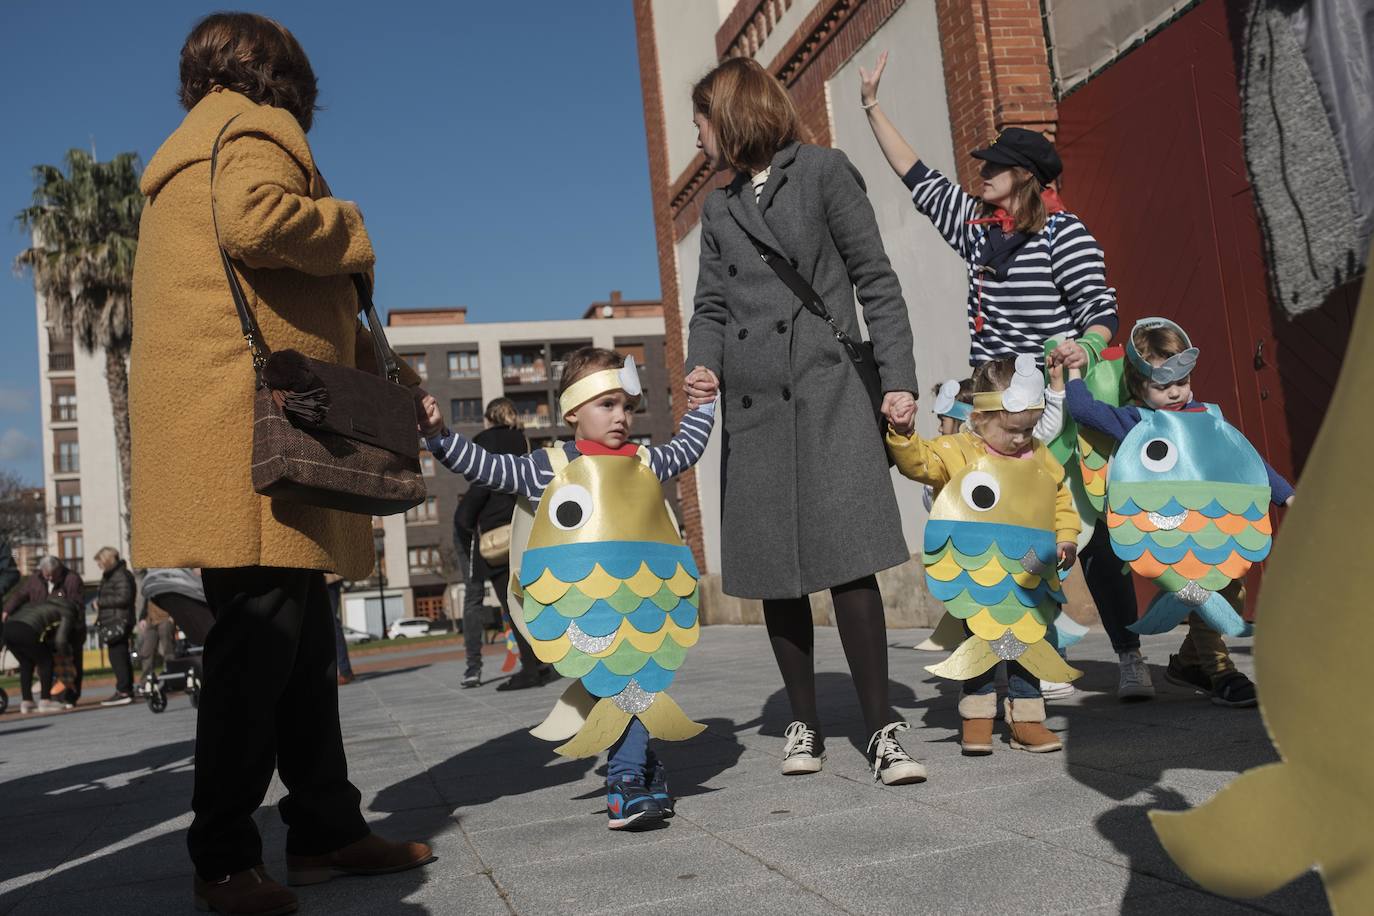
[(529, 475), (1056, 286)]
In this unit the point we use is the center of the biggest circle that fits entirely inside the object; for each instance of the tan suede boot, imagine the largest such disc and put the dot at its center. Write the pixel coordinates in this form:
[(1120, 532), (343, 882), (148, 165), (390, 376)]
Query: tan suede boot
[(978, 711), (1028, 731)]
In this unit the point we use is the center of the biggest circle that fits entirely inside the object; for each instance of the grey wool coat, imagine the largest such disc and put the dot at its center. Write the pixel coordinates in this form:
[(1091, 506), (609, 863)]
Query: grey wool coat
[(806, 497)]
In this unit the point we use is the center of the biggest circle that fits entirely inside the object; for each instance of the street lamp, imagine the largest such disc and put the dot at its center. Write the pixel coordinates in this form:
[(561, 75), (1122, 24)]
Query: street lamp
[(378, 543)]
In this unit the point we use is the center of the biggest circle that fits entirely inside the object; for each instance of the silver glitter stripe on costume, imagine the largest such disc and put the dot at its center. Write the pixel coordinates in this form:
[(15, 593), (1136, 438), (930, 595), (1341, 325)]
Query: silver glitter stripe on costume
[(1168, 522), (1033, 564), (634, 699), (1007, 646), (590, 645), (1193, 595)]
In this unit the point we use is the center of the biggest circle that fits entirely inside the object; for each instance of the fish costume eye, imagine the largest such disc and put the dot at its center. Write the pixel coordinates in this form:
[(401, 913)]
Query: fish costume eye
[(980, 491), (571, 508), (1159, 455)]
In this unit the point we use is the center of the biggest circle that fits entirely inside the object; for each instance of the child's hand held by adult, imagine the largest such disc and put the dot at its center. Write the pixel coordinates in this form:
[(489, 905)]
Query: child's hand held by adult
[(1068, 552)]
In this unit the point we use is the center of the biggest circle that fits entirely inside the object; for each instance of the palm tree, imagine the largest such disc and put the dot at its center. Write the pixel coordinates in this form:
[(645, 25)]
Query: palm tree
[(84, 226)]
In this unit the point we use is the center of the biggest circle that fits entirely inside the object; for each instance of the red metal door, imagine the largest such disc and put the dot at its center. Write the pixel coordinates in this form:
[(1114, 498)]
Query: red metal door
[(1154, 163)]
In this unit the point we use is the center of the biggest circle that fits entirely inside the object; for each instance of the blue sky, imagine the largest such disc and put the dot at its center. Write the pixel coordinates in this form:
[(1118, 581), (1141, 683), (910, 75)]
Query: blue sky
[(497, 149)]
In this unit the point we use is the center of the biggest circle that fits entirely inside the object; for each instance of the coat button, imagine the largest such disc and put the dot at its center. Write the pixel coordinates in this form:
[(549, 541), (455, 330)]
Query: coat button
[(743, 333), (747, 401), (732, 271), (787, 394), (795, 265), (782, 327)]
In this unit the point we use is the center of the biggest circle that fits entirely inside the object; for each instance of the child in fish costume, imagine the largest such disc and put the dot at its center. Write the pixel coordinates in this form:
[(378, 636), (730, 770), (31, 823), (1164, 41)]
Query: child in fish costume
[(1186, 503), (1002, 525), (604, 587)]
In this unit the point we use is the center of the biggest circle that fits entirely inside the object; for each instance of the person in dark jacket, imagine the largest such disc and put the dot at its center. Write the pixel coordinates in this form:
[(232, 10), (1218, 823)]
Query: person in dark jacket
[(114, 620), (54, 579), (9, 572), (481, 510), (28, 628)]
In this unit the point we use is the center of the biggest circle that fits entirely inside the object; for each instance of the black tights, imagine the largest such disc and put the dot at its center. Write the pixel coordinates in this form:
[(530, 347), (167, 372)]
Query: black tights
[(863, 633)]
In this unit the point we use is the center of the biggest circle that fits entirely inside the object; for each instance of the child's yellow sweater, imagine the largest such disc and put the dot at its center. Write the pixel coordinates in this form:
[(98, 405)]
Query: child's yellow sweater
[(935, 461)]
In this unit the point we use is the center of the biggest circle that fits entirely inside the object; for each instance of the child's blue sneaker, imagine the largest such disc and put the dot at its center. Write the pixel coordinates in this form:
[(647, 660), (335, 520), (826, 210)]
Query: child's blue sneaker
[(655, 777), (629, 805)]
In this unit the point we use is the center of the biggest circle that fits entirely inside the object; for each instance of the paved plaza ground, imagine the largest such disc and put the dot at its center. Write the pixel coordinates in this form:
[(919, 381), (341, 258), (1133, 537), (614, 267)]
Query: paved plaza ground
[(93, 803)]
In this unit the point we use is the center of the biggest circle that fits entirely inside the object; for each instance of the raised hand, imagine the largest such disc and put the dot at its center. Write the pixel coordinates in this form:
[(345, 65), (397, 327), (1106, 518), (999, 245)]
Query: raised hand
[(1055, 367), (1071, 354), (429, 419), (868, 80)]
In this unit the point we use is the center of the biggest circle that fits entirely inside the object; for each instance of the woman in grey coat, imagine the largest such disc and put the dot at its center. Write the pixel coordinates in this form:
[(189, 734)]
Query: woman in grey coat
[(806, 498)]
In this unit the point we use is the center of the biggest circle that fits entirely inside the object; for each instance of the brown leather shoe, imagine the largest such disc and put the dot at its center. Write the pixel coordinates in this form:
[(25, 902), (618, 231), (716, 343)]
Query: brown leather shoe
[(371, 855), (345, 680), (976, 740), (250, 892)]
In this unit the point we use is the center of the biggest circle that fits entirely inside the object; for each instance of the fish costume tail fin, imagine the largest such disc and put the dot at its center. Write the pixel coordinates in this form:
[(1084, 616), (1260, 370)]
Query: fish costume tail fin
[(1168, 610), (589, 725)]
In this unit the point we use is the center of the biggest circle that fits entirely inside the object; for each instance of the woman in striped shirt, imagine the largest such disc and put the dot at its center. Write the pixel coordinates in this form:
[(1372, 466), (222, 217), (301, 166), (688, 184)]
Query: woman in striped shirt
[(1035, 274)]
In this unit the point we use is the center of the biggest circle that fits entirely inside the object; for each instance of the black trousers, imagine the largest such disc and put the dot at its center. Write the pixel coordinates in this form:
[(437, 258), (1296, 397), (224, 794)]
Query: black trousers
[(270, 701), (1109, 582), (122, 664), (31, 652)]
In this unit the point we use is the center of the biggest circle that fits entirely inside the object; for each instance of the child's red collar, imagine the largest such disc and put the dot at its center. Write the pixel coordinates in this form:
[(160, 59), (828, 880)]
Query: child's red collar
[(591, 447)]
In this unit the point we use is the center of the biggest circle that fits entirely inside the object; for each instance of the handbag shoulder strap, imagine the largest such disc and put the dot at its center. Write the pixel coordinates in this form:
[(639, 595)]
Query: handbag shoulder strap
[(804, 291), (385, 356)]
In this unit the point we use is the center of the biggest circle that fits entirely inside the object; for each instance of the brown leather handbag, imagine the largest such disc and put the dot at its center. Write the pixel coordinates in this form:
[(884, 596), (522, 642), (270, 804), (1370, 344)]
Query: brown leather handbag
[(325, 434)]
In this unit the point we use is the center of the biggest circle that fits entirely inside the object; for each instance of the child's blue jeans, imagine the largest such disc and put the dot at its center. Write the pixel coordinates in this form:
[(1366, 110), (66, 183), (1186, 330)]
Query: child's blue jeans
[(1021, 684), (630, 754)]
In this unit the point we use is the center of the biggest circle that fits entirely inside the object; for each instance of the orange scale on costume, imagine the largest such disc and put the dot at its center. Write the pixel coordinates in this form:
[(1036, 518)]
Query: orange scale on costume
[(1196, 521), (1147, 566)]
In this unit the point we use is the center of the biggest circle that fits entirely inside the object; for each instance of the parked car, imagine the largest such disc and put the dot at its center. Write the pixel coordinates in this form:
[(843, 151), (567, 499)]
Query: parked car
[(408, 626), (352, 637)]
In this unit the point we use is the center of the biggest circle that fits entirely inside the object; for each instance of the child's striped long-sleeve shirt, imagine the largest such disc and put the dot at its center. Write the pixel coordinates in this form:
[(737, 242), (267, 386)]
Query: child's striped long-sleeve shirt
[(529, 475), (1055, 285)]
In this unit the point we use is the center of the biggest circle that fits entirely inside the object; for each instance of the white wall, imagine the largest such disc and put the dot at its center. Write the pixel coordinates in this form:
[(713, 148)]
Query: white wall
[(102, 496), (685, 32), (933, 278)]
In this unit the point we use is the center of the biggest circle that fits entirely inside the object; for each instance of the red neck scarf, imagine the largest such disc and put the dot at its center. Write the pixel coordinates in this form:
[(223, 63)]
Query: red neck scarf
[(592, 447), (1002, 218)]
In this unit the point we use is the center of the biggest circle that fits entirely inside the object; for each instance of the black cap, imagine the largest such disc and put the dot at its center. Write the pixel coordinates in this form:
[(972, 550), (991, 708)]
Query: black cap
[(1026, 148)]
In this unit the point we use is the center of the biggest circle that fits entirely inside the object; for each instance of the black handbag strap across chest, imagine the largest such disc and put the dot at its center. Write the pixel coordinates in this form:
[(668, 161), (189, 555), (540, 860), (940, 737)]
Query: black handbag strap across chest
[(387, 366)]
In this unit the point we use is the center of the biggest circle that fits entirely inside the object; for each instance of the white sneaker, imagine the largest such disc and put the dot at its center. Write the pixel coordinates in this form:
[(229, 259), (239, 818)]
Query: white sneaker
[(891, 763), (27, 706), (799, 755), (51, 706), (1135, 677), (1054, 690)]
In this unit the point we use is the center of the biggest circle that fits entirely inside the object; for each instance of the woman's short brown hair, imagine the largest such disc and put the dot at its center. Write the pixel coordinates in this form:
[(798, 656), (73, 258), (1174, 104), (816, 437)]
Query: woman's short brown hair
[(252, 55), (1152, 343), (502, 412), (749, 110)]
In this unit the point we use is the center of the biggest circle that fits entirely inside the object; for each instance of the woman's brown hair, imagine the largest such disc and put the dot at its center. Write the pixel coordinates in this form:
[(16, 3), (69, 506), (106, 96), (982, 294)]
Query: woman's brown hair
[(252, 55), (502, 412), (1152, 343), (1027, 206), (750, 111)]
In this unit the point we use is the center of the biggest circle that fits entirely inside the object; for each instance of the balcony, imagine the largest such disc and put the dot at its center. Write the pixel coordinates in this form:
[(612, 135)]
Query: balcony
[(525, 374), (536, 420), (64, 413), (68, 515), (61, 362), (66, 464)]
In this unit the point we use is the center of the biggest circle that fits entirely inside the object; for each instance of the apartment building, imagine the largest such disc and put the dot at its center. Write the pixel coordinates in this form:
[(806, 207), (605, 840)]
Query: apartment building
[(465, 366), (83, 499)]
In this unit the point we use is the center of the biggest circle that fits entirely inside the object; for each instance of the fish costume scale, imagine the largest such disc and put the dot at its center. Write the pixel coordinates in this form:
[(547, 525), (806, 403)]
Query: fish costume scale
[(992, 561), (606, 591), (1188, 508), (1106, 381)]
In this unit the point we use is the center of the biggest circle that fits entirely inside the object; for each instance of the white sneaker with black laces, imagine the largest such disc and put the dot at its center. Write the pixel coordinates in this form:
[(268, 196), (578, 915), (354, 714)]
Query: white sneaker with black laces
[(799, 754), (1135, 681), (891, 763)]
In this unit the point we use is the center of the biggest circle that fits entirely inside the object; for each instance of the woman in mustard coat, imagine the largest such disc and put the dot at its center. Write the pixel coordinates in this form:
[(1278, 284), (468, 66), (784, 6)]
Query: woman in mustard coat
[(270, 698)]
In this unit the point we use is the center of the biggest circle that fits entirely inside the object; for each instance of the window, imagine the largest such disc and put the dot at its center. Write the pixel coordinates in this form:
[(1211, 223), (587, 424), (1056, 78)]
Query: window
[(68, 502), (466, 410), (463, 365), (68, 457), (416, 361), (427, 464), (533, 412), (427, 511), (524, 367), (63, 404), (424, 559), (71, 552)]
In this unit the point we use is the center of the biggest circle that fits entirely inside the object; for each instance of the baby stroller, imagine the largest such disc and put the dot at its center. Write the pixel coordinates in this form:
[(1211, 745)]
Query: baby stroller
[(179, 592)]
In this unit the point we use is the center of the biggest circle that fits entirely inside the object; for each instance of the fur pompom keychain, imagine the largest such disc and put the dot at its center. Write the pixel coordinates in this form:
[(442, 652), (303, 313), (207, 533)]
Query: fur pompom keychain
[(295, 387)]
